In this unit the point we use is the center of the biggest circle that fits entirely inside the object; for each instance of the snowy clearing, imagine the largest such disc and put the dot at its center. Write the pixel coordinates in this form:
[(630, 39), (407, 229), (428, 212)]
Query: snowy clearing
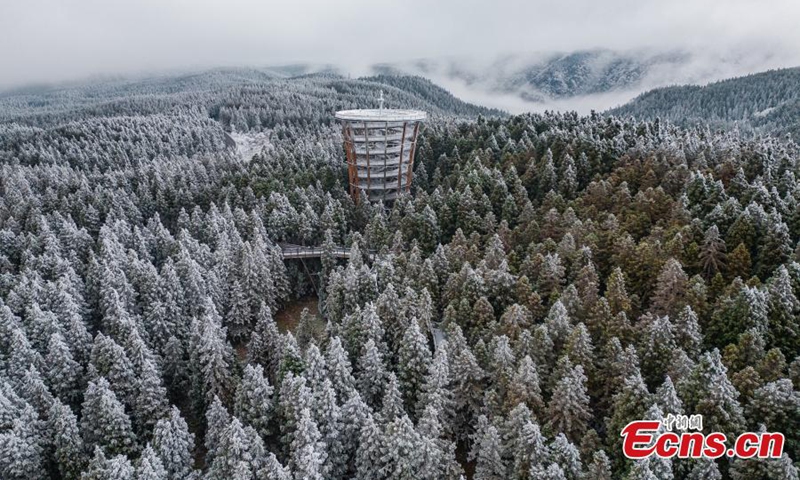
[(249, 144)]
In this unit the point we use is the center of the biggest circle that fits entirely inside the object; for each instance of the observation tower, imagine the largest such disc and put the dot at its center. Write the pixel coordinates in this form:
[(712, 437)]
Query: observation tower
[(380, 145)]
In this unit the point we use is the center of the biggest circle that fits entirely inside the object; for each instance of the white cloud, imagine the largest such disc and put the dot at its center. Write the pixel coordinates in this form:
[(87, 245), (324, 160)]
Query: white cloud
[(50, 40)]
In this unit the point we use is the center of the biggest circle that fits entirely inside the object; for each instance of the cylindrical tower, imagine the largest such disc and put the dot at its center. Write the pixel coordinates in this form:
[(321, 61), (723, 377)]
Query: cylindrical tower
[(380, 146)]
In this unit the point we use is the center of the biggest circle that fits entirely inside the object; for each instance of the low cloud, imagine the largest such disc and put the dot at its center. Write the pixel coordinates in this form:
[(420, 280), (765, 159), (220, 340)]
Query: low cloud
[(54, 40)]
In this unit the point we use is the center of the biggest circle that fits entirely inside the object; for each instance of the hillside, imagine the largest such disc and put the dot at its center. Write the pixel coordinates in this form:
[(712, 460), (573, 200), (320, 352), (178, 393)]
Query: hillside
[(767, 102), (107, 123), (245, 96)]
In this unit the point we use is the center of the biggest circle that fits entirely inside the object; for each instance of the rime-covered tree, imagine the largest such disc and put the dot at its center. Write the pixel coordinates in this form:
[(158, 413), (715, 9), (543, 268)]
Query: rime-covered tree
[(489, 463), (253, 400), (402, 447), (65, 375), (101, 467), (263, 347), (104, 421), (22, 447), (173, 443), (149, 466), (713, 253), (69, 449), (308, 453), (372, 374), (708, 392), (217, 420), (413, 360), (524, 387), (212, 358), (369, 457), (151, 400), (568, 411), (339, 368)]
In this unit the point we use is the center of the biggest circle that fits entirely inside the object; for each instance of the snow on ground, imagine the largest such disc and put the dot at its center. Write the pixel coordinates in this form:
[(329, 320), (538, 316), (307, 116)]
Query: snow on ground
[(764, 113), (249, 144)]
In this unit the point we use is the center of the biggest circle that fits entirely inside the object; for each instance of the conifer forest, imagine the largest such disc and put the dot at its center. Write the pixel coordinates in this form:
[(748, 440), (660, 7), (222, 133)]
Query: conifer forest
[(582, 272)]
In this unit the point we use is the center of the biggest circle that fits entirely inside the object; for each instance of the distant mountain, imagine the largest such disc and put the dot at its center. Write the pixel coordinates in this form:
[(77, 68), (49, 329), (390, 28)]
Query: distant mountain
[(767, 102), (538, 78), (581, 80)]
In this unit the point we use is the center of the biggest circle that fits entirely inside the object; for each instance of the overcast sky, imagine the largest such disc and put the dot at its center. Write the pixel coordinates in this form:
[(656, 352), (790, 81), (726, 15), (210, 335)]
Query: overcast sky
[(53, 40)]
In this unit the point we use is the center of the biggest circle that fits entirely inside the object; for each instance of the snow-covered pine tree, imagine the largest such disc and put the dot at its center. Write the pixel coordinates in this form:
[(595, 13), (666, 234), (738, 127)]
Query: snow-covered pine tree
[(149, 466), (67, 442), (372, 374), (174, 444), (413, 360), (308, 454), (568, 411), (104, 421)]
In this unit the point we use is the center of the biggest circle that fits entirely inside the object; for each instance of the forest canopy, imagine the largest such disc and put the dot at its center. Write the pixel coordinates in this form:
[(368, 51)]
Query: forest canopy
[(587, 271)]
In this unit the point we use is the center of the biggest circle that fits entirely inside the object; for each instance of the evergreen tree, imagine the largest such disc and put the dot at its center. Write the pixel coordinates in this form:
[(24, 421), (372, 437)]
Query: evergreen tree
[(109, 360), (600, 468), (151, 401), (355, 414), (369, 457), (704, 469), (671, 289), (708, 392), (253, 401), (616, 293), (264, 344), (236, 455), (524, 387), (293, 397), (629, 403), (65, 375), (174, 444), (104, 421), (308, 454), (775, 246), (149, 466), (217, 420), (687, 331), (777, 406), (392, 402), (21, 448), (212, 358), (489, 464), (69, 451), (712, 254), (435, 390), (568, 411), (339, 369), (102, 468), (326, 413), (372, 373), (414, 358), (784, 310), (402, 447), (564, 454)]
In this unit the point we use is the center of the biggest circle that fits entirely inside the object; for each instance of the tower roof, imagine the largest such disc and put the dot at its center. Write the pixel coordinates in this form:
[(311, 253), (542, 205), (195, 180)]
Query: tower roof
[(382, 115)]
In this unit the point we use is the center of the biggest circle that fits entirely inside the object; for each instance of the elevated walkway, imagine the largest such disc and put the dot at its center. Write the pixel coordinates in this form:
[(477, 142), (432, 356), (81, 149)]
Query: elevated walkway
[(299, 251), (290, 251)]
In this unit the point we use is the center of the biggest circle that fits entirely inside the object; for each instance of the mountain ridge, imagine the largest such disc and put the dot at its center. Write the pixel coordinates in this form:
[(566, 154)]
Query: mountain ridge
[(766, 102)]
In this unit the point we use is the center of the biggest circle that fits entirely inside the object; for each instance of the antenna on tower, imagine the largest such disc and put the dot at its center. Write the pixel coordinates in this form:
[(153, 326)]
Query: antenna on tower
[(381, 99)]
